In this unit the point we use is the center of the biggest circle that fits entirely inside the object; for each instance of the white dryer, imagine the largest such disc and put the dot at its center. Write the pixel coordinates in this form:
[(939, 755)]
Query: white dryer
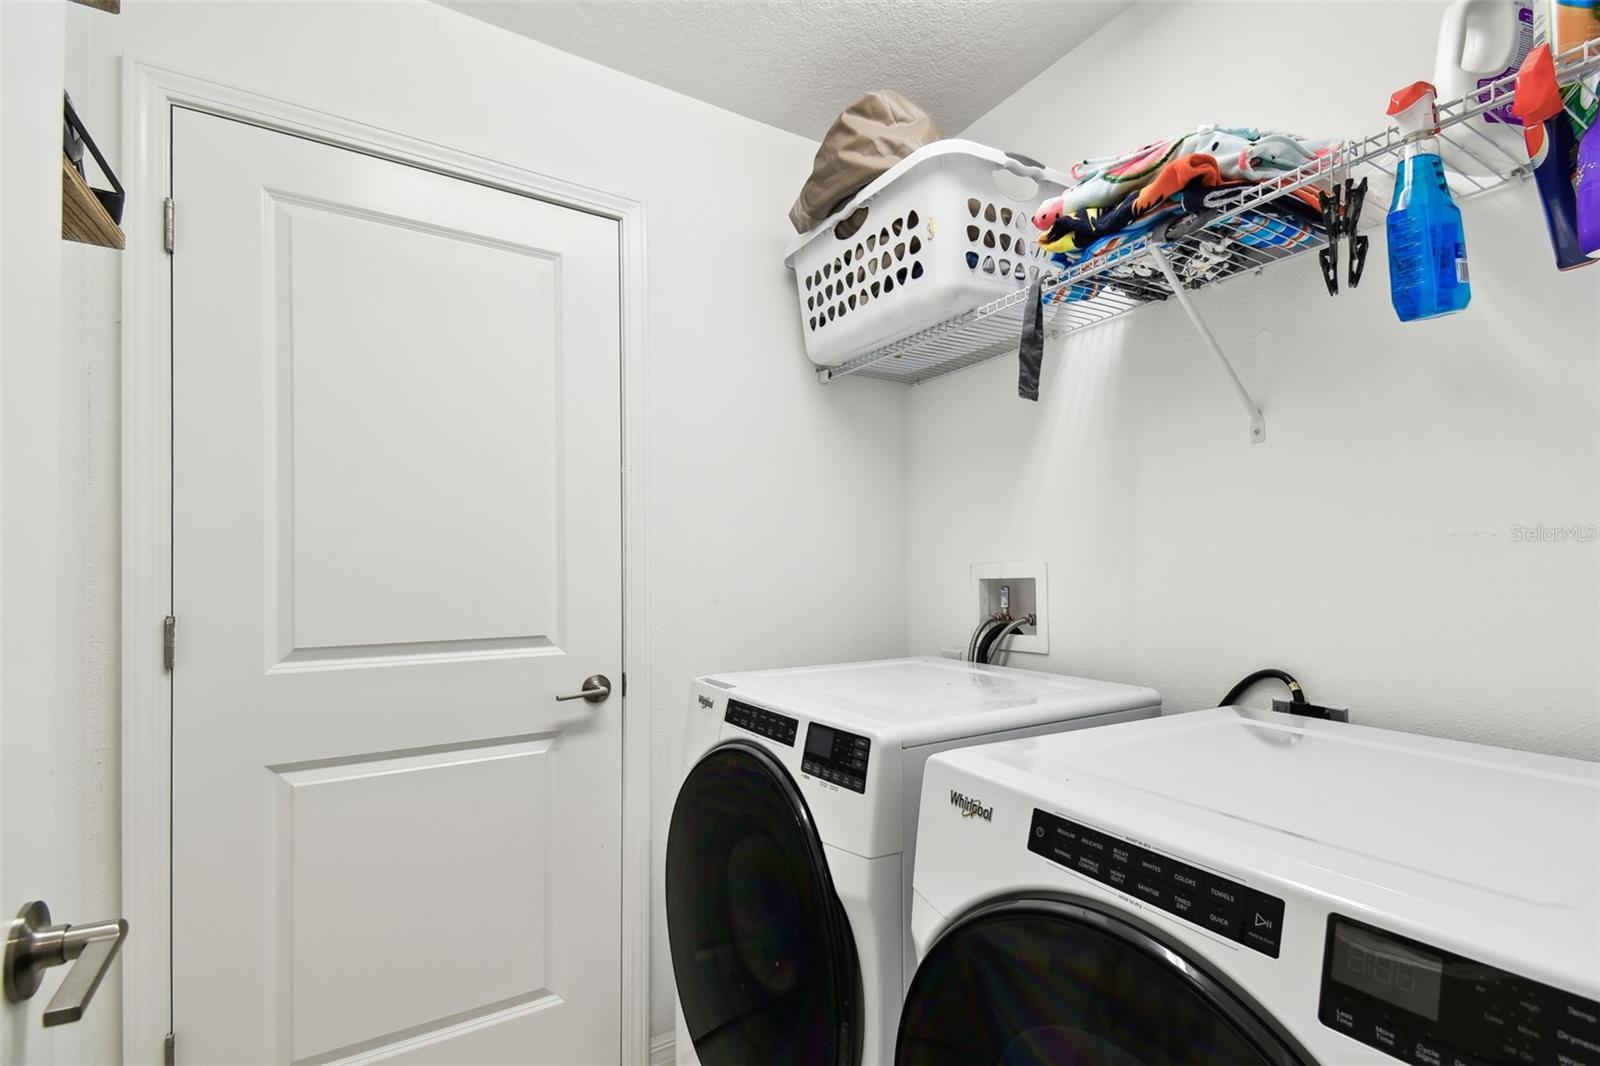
[(787, 865), (1237, 887)]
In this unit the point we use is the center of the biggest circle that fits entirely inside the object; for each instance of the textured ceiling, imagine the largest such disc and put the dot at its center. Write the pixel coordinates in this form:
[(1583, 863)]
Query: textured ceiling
[(795, 63)]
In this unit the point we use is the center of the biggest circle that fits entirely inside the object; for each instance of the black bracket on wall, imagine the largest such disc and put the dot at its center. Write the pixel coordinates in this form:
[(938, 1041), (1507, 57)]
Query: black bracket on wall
[(76, 139)]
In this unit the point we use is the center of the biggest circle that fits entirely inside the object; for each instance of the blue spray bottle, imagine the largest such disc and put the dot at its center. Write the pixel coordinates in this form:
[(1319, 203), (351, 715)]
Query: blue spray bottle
[(1427, 246)]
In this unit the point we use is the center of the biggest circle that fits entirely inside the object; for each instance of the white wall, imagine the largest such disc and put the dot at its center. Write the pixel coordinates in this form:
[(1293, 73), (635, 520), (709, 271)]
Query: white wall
[(777, 505), (1367, 544)]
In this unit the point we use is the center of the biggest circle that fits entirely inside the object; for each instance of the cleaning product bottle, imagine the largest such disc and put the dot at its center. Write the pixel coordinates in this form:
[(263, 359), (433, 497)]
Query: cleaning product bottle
[(1427, 246), (1572, 23), (1566, 25), (1480, 43), (1553, 150), (1586, 190)]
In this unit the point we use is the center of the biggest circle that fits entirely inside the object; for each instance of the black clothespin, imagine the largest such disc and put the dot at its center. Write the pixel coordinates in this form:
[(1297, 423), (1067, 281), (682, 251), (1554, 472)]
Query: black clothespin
[(1331, 202), (1354, 196), (1341, 214)]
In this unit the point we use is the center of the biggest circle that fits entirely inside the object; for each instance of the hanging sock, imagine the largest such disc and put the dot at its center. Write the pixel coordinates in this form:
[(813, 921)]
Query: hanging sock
[(1030, 354)]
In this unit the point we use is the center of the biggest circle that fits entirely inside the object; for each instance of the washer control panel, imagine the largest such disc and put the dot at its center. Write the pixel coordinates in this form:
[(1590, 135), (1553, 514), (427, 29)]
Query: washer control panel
[(834, 755), (1422, 1004), (1217, 904), (759, 720)]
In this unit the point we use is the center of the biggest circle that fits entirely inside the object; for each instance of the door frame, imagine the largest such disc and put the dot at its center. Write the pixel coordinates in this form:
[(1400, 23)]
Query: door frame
[(150, 93)]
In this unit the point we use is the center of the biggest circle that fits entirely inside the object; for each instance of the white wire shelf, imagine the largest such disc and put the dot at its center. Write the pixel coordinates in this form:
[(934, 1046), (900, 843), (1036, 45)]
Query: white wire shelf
[(1223, 242), (1111, 285)]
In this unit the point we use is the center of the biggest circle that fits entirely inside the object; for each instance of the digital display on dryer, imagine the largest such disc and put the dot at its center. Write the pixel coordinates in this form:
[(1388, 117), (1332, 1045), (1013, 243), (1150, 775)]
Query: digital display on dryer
[(819, 742), (1393, 972)]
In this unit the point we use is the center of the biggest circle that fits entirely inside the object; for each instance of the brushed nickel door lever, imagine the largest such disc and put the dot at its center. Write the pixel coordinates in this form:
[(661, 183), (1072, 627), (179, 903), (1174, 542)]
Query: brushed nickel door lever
[(595, 689), (33, 945)]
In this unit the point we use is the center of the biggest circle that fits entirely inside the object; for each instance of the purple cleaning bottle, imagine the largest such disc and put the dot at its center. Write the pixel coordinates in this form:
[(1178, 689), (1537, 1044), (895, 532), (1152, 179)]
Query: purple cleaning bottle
[(1586, 188)]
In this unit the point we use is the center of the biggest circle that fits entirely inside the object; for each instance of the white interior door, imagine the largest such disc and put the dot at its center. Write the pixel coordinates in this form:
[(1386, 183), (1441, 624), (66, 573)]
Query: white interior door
[(397, 538)]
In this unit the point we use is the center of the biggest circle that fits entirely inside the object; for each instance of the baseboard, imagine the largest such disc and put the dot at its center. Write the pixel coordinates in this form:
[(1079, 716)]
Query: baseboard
[(662, 1048)]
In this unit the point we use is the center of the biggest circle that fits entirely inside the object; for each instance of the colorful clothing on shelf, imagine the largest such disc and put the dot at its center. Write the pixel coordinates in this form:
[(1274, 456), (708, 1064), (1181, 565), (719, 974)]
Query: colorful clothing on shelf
[(1243, 153), (1178, 178), (1119, 200), (1289, 222)]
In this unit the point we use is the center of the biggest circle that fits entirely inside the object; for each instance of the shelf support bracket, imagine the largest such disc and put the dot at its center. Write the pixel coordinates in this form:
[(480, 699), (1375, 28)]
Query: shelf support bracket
[(1258, 425)]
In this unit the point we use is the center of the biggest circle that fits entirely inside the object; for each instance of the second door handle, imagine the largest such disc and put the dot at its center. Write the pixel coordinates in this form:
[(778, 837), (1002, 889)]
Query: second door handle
[(33, 945), (595, 689)]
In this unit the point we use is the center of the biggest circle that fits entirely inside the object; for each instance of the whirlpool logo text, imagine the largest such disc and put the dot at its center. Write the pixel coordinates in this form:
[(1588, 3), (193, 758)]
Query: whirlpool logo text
[(971, 808)]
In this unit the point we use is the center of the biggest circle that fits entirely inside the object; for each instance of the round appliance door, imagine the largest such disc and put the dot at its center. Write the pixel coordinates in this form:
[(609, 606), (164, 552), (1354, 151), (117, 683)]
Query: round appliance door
[(761, 949), (1059, 983)]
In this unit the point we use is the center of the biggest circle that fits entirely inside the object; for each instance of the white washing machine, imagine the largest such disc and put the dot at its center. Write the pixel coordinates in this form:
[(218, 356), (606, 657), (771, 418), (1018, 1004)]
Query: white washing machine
[(1237, 887), (787, 866)]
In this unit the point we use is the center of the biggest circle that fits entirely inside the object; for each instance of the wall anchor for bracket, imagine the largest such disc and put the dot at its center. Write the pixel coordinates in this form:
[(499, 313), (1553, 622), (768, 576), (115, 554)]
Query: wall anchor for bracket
[(1258, 425)]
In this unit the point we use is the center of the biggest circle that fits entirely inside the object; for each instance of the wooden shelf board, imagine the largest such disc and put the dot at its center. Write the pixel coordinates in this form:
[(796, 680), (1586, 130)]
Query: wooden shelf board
[(83, 218), (112, 6)]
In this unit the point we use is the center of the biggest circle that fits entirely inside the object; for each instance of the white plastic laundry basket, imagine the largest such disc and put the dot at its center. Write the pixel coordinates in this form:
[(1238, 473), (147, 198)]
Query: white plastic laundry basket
[(946, 230)]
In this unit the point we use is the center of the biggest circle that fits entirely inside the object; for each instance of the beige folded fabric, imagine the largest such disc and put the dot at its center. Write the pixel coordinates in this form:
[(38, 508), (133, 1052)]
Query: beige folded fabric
[(868, 137)]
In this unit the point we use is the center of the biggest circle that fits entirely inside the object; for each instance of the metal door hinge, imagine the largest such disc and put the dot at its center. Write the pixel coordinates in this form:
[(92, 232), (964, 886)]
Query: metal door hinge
[(169, 1050), (624, 686), (169, 642), (167, 211)]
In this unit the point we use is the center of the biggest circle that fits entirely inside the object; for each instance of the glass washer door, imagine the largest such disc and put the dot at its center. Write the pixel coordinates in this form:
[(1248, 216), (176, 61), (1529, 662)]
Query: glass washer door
[(765, 965), (1059, 983)]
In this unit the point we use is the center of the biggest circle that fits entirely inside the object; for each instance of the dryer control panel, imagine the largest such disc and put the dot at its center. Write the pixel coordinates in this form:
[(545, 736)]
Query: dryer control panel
[(837, 756), (1422, 1004), (759, 720), (1216, 904)]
